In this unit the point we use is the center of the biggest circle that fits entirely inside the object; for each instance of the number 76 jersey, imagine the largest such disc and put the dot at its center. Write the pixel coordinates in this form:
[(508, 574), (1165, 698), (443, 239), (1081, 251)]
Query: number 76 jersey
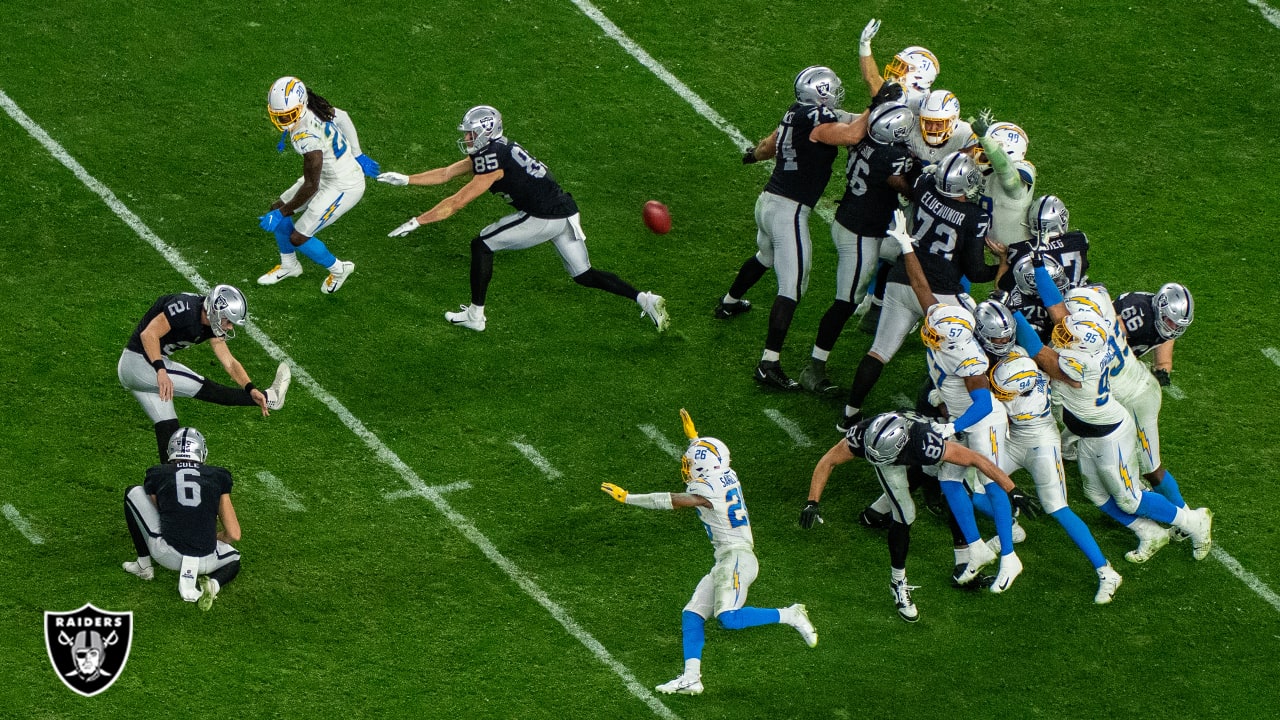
[(726, 520)]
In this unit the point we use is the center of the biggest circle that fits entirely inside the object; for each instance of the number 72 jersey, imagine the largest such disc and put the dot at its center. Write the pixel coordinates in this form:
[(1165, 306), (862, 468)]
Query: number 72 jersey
[(726, 520)]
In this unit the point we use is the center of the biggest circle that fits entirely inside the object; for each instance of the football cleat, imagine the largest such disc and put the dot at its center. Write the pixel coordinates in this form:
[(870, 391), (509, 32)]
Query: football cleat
[(1151, 538), (979, 581), (467, 317), (143, 573), (979, 556), (1018, 536), (1108, 581), (800, 621), (902, 600), (1202, 537), (654, 307), (770, 374), (335, 280), (279, 387), (683, 685), (815, 380), (280, 272), (208, 591), (874, 519), (726, 310), (848, 421), (1010, 568)]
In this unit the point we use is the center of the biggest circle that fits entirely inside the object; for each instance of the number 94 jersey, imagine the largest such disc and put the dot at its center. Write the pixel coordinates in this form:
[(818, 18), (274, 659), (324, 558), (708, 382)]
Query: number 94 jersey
[(726, 520)]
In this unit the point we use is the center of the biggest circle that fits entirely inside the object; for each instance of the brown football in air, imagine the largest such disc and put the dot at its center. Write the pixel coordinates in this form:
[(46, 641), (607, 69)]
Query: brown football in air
[(657, 217)]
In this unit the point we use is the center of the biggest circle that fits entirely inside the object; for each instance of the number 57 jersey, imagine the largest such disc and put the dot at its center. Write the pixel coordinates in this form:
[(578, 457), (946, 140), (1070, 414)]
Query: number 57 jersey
[(726, 521)]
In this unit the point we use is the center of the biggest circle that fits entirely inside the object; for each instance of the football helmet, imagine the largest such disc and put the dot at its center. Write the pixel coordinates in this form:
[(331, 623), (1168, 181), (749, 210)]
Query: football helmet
[(1011, 138), (890, 123), (957, 175), (706, 457), (1085, 331), (224, 302), (946, 326), (1047, 217), (818, 85), (1024, 275), (1014, 376), (1093, 298), (915, 68), (1174, 310), (885, 437), (995, 327), (187, 444), (939, 114), (286, 102), (480, 126)]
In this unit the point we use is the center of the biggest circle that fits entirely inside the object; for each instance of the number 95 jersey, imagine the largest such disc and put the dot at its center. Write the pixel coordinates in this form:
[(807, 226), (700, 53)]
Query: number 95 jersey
[(726, 520)]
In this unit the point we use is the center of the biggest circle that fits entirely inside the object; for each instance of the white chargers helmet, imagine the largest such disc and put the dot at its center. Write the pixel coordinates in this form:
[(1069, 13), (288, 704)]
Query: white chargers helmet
[(946, 327), (1014, 376), (957, 176), (286, 102), (885, 437), (890, 123), (939, 114), (706, 457), (187, 444), (995, 327), (1174, 310), (1093, 298), (1085, 331), (1047, 217), (914, 68), (224, 302), (1011, 138), (481, 125), (1024, 275), (819, 85)]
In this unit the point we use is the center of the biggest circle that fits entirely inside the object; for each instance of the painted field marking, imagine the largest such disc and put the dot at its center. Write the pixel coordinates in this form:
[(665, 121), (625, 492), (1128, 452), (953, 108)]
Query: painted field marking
[(287, 497), (21, 524), (1175, 392), (532, 455), (1245, 576), (902, 401), (668, 447), (1272, 354), (380, 450), (1271, 14), (789, 427), (438, 489)]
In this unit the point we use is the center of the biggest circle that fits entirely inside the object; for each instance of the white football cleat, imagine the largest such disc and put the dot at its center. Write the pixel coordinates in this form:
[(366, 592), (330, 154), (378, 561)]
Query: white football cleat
[(902, 600), (208, 592), (799, 619), (335, 279), (1019, 535), (654, 307), (1108, 581), (684, 685), (1010, 568), (143, 573), (280, 272), (1151, 537), (980, 555), (279, 387), (468, 317), (1202, 538)]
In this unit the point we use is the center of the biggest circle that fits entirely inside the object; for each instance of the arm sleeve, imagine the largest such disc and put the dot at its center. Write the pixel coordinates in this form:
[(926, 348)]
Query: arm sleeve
[(980, 408), (343, 121), (1004, 169), (1046, 288), (1027, 336)]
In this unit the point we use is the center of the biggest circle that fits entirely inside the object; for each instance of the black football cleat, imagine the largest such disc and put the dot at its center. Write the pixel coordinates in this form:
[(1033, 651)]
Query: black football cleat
[(725, 310), (848, 421), (770, 374)]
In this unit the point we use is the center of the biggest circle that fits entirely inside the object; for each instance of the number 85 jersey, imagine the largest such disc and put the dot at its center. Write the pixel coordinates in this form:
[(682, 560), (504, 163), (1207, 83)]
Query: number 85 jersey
[(726, 521)]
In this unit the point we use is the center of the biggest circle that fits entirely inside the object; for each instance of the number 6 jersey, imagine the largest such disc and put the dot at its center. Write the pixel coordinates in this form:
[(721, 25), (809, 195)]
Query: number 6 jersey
[(187, 496)]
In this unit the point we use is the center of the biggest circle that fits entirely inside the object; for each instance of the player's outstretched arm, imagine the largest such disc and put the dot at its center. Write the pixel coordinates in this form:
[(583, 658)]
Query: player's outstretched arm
[(954, 452), (654, 501)]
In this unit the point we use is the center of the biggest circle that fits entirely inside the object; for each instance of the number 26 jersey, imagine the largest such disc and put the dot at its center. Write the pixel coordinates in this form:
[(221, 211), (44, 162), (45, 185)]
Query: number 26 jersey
[(726, 520)]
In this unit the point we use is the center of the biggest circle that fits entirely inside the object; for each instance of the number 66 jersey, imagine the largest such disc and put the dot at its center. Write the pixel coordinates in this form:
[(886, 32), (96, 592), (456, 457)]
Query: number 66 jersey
[(726, 521)]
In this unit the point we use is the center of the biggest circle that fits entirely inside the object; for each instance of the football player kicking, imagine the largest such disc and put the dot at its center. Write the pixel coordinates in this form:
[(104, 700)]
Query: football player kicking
[(173, 519), (178, 321), (544, 211), (712, 489)]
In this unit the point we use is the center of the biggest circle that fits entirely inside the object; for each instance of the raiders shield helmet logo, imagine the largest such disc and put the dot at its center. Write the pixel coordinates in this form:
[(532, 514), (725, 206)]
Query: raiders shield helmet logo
[(88, 647)]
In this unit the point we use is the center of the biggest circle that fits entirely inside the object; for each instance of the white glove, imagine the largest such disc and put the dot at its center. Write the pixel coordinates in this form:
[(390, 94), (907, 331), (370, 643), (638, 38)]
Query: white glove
[(899, 232), (935, 398), (405, 229), (868, 32), (946, 430), (393, 178)]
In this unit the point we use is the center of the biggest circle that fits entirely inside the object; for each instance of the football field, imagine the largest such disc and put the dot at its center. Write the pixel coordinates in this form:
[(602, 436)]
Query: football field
[(424, 534)]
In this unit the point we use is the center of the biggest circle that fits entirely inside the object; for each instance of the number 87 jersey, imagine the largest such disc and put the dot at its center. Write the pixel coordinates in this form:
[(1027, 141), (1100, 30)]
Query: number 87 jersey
[(726, 520)]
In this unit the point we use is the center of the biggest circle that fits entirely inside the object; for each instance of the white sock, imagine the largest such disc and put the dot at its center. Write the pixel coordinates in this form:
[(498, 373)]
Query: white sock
[(693, 666), (475, 311), (144, 562), (850, 410), (729, 299), (214, 586), (336, 267), (288, 260), (1183, 520), (770, 356), (962, 555), (898, 575), (820, 355)]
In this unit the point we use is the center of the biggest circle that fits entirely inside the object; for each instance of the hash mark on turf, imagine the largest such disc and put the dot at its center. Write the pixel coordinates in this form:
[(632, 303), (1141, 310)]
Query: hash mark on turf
[(532, 455), (797, 435), (661, 441), (287, 497), (22, 525), (438, 489), (1272, 354), (1271, 14)]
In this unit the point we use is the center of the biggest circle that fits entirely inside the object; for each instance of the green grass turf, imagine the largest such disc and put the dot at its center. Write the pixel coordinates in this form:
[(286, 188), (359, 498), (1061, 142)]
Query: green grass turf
[(1150, 122)]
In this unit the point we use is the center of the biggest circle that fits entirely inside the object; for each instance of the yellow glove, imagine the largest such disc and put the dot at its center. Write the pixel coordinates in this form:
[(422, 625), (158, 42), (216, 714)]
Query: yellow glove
[(613, 490), (689, 430)]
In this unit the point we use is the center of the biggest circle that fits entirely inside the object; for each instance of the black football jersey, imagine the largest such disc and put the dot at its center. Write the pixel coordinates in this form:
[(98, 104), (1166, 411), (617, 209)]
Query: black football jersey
[(1136, 310), (187, 495), (803, 166), (526, 184), (950, 235), (869, 202), (1031, 307), (1071, 250), (924, 446), (185, 329)]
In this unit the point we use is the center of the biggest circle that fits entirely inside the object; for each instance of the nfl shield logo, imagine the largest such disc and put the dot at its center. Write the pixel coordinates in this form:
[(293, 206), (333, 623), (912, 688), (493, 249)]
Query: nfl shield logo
[(88, 647)]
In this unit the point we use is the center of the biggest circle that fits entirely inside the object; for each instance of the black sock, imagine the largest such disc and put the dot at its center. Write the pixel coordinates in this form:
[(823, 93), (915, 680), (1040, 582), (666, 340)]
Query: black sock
[(832, 324), (899, 543), (225, 574), (607, 281), (864, 380), (748, 275), (135, 532), (212, 392), (882, 277), (481, 271), (784, 308), (165, 430)]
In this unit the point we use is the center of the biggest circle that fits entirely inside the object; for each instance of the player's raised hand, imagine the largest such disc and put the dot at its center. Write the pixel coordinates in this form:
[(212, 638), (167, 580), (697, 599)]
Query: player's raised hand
[(690, 431), (614, 492), (983, 123), (393, 178), (868, 32), (899, 232), (405, 228)]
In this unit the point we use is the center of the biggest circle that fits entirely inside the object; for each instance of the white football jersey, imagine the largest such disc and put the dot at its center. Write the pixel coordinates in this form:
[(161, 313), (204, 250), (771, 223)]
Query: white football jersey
[(961, 138), (1009, 210), (726, 521), (1092, 401), (340, 168), (1032, 412), (949, 366)]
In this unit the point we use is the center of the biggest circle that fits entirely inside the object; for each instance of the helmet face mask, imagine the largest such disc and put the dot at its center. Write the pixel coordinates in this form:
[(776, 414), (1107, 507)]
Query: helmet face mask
[(1013, 377), (706, 457), (885, 437), (818, 85), (957, 176), (890, 123), (914, 68), (223, 304), (1047, 217), (939, 114), (1011, 138), (1174, 309), (995, 327), (946, 326), (480, 126), (1024, 275), (187, 444), (286, 102), (1085, 331)]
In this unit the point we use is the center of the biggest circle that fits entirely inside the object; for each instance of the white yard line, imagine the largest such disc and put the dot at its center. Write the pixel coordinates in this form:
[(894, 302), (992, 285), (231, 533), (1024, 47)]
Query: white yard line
[(789, 427), (1245, 576), (661, 441), (438, 489), (1175, 392), (1271, 14), (460, 522), (532, 455), (287, 497), (21, 524), (1272, 354)]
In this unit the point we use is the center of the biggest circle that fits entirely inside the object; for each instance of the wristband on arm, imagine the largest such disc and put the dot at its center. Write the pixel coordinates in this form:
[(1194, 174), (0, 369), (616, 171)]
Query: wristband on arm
[(651, 501), (249, 388), (158, 364)]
